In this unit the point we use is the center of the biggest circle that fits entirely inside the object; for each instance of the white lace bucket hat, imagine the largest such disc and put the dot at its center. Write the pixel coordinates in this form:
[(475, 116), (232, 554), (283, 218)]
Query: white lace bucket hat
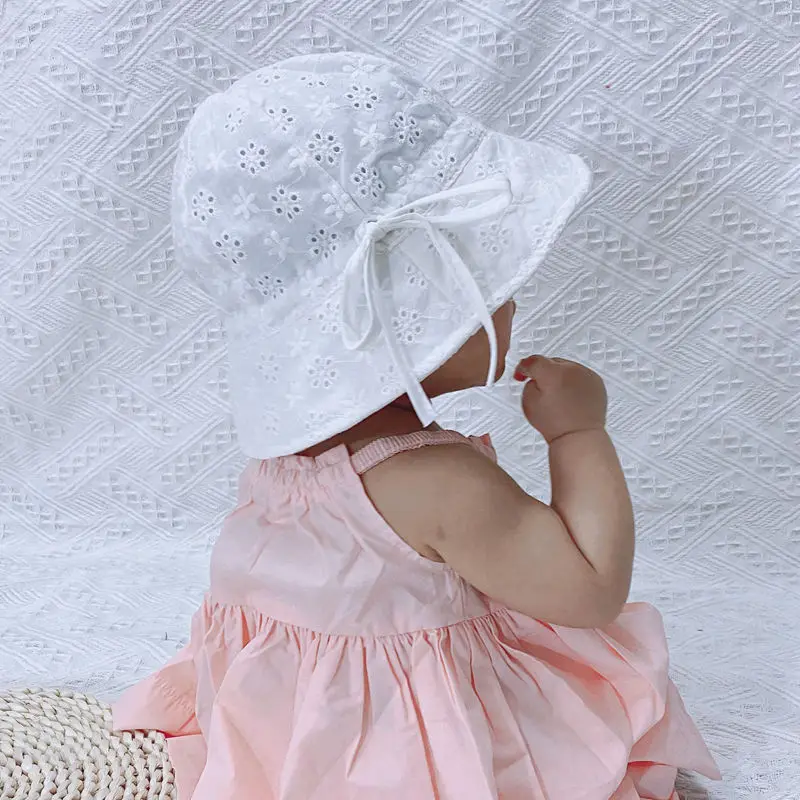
[(356, 231)]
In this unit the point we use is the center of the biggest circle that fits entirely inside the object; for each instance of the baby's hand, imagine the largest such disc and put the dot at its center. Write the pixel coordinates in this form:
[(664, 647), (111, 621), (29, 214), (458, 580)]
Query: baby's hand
[(561, 396)]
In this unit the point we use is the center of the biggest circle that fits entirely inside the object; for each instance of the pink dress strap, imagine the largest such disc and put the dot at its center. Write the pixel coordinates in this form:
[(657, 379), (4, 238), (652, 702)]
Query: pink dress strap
[(383, 449)]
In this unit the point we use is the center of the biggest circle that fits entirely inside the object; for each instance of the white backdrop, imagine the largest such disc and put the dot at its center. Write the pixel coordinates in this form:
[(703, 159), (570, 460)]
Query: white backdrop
[(679, 281)]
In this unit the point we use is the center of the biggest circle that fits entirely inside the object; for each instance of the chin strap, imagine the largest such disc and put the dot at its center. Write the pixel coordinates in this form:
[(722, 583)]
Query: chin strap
[(362, 286)]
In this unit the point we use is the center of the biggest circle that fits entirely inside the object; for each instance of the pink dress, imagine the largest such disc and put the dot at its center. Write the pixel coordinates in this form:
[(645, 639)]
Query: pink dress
[(330, 661)]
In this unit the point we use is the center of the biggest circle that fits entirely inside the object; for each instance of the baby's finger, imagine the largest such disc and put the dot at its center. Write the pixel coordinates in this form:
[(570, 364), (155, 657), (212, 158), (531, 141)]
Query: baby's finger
[(526, 368)]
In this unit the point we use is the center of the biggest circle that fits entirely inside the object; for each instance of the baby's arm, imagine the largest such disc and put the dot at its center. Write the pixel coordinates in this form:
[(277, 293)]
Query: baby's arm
[(568, 563)]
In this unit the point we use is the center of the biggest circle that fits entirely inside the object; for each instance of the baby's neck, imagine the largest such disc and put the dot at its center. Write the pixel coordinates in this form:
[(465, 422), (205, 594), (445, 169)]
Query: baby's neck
[(394, 420)]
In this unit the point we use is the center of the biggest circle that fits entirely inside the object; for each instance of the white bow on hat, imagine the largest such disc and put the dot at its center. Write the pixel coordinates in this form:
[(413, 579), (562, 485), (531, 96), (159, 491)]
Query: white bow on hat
[(367, 311)]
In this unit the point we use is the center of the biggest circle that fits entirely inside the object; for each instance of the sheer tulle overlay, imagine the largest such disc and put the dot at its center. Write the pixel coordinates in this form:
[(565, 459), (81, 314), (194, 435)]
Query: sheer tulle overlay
[(329, 661)]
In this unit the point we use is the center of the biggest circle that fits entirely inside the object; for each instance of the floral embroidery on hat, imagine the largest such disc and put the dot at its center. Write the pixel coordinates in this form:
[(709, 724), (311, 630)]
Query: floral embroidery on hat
[(270, 286), (286, 203), (323, 242), (407, 129), (325, 148), (245, 204), (234, 119), (281, 117), (204, 205), (362, 97), (368, 181), (253, 158), (408, 325), (230, 248)]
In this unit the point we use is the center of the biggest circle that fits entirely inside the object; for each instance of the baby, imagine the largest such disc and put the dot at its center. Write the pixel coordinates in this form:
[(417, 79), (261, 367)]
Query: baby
[(390, 616)]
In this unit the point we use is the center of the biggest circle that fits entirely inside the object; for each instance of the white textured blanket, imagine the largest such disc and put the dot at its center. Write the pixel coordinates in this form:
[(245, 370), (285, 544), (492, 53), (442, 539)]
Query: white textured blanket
[(679, 281)]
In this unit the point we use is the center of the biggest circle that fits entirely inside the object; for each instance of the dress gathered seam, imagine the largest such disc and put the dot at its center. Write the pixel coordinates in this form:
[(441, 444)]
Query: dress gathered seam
[(217, 605)]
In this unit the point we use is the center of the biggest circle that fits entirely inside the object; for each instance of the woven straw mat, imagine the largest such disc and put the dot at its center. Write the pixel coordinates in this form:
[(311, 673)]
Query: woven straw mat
[(59, 745)]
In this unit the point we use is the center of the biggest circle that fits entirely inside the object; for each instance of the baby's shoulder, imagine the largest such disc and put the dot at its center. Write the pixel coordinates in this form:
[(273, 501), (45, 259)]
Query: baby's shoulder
[(422, 493)]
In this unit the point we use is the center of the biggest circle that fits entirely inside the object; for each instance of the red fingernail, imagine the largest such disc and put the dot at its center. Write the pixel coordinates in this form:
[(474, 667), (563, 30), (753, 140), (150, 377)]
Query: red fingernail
[(519, 376)]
